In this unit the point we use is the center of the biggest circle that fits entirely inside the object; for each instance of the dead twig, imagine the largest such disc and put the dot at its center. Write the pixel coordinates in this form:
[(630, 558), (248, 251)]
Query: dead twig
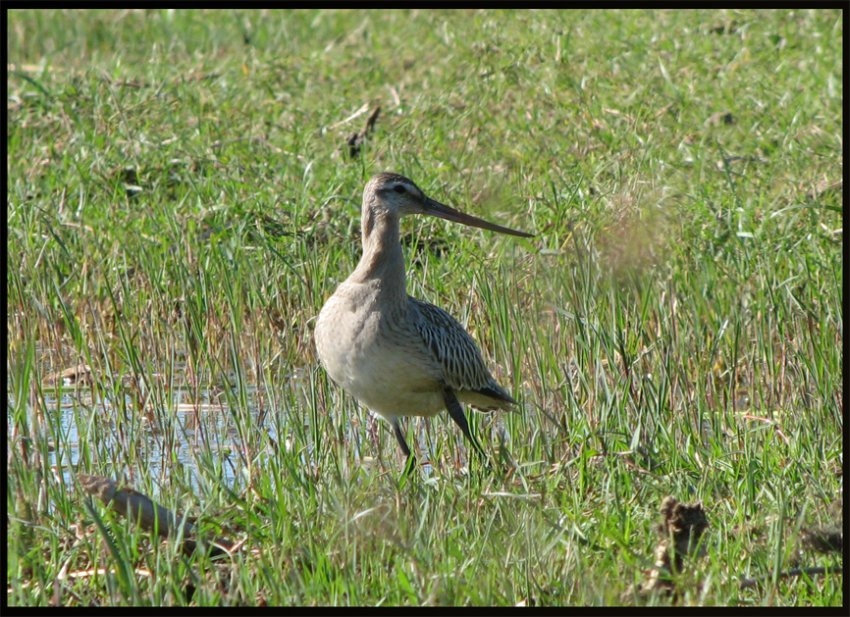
[(357, 139), (818, 539), (747, 583), (680, 533), (148, 514)]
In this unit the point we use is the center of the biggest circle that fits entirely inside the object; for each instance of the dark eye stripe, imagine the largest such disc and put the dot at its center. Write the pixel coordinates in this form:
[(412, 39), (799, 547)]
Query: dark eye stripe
[(399, 188)]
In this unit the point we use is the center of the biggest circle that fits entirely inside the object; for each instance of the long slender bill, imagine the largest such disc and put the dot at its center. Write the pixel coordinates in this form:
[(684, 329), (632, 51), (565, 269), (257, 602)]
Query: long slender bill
[(435, 208)]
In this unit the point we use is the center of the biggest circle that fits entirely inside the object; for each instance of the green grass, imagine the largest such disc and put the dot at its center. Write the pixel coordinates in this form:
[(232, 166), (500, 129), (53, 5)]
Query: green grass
[(181, 202)]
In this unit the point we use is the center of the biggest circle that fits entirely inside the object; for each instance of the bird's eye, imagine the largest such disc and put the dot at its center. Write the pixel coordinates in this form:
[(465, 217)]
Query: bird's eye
[(399, 188)]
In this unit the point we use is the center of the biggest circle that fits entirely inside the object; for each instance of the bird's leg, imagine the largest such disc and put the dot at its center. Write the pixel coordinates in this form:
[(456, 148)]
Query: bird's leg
[(400, 437), (411, 460), (372, 431), (456, 412)]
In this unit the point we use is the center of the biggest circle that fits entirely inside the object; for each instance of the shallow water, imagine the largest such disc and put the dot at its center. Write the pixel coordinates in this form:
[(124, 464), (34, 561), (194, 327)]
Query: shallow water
[(179, 437)]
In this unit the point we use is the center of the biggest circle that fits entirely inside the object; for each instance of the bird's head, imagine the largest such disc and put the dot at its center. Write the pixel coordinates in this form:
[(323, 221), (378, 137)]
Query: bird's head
[(390, 194)]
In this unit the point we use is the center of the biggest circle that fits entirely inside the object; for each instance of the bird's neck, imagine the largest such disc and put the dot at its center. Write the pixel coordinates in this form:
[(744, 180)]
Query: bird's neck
[(382, 260)]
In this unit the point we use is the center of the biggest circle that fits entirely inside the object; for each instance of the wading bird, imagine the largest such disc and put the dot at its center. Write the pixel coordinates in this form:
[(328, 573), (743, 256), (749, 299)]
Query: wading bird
[(397, 355)]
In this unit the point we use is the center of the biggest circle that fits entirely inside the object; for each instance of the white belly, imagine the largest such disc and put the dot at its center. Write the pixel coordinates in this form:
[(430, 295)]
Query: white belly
[(386, 367)]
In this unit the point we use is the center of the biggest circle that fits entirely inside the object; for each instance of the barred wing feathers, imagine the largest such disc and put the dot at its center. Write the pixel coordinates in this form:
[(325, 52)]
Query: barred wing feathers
[(458, 355)]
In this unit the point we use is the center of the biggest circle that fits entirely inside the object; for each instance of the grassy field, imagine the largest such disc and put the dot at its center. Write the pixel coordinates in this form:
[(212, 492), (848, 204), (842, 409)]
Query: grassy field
[(182, 199)]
